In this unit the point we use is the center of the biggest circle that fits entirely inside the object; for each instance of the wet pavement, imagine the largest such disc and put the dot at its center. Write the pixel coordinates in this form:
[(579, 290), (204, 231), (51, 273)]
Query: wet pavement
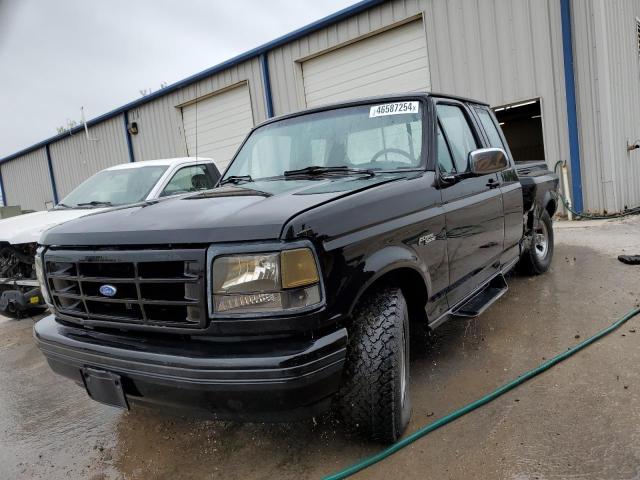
[(578, 420)]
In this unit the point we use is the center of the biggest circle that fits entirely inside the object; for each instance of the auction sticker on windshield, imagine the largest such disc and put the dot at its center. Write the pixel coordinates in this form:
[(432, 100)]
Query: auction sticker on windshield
[(393, 109)]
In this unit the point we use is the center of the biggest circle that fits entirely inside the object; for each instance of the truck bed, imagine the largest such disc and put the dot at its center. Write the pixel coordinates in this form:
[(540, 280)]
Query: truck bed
[(537, 182)]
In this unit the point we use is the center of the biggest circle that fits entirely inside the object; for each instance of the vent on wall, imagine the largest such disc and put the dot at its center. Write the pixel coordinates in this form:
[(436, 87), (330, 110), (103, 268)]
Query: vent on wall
[(638, 33)]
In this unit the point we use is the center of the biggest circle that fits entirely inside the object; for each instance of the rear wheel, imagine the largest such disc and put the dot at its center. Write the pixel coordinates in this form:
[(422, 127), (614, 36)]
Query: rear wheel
[(375, 397), (537, 258)]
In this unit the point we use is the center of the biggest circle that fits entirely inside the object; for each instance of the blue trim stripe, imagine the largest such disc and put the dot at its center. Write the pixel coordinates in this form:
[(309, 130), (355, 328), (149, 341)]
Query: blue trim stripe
[(2, 191), (266, 80), (125, 117), (572, 117), (52, 177), (256, 52)]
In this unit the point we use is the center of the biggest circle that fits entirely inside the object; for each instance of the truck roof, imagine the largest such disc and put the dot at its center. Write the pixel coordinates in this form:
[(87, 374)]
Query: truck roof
[(377, 98), (168, 162)]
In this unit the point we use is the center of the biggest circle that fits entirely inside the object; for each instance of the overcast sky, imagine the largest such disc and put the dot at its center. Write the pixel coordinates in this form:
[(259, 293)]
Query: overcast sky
[(56, 56)]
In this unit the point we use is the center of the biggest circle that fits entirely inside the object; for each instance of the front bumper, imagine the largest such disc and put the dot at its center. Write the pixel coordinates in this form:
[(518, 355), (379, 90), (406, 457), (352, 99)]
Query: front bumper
[(271, 380)]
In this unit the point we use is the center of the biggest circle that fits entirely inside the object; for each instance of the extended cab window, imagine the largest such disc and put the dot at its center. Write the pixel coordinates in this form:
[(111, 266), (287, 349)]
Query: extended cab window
[(459, 134), (490, 128), (189, 179), (385, 136)]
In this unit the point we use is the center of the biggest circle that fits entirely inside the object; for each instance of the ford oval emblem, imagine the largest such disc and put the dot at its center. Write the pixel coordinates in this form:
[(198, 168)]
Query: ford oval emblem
[(108, 290)]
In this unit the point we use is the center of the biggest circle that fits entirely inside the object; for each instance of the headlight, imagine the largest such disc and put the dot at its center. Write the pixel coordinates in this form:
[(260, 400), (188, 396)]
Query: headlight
[(41, 280), (265, 282)]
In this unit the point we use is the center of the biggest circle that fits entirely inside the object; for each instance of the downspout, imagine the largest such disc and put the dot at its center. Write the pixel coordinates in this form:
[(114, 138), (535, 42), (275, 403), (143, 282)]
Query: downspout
[(572, 117), (266, 81), (125, 116), (4, 194), (54, 187)]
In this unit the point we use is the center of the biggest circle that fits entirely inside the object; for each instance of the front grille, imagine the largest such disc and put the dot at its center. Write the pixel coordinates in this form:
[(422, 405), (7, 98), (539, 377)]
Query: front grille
[(150, 287)]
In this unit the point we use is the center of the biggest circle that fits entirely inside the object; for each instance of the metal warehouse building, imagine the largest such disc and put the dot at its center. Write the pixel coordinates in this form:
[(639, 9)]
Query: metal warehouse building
[(562, 75)]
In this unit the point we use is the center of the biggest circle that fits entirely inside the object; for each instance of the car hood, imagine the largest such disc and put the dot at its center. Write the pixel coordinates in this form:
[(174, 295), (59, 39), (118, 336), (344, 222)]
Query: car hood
[(27, 228), (253, 211)]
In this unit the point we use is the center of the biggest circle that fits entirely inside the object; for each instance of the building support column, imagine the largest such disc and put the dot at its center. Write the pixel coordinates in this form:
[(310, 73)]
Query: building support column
[(125, 116), (4, 193), (572, 116), (266, 81), (52, 177)]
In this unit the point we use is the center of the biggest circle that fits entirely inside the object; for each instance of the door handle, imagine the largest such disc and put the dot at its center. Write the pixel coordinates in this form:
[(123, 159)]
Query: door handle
[(492, 183)]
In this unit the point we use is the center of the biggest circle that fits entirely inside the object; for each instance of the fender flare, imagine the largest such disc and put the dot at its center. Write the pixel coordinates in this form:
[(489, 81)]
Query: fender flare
[(537, 206), (387, 260)]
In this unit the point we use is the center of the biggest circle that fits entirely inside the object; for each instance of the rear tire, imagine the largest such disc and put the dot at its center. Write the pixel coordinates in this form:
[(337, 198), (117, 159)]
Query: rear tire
[(537, 258), (375, 397)]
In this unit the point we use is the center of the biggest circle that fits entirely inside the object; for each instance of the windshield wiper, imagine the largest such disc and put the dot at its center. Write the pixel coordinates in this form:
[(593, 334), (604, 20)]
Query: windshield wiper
[(63, 205), (235, 179), (318, 170), (95, 203)]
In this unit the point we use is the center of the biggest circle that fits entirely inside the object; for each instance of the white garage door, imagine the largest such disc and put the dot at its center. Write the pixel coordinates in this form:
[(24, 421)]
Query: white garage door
[(216, 126), (390, 62)]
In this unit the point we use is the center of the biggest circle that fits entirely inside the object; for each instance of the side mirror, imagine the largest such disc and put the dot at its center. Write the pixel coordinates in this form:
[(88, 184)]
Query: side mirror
[(488, 160)]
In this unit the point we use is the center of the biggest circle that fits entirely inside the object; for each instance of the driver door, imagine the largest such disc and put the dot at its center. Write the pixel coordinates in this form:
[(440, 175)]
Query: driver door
[(472, 203)]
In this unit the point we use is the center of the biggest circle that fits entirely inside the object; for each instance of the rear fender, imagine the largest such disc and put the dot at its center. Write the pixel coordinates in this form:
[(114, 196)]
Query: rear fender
[(545, 202)]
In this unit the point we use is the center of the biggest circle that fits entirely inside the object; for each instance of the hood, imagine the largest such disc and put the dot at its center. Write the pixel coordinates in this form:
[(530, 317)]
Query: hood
[(27, 228), (253, 211)]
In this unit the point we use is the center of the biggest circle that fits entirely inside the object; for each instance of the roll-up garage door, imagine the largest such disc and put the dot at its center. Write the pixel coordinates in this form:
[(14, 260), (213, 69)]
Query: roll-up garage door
[(216, 125), (390, 62)]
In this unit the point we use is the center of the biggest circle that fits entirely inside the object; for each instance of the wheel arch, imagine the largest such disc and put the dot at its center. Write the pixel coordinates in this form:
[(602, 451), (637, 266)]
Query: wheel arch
[(398, 266), (549, 203)]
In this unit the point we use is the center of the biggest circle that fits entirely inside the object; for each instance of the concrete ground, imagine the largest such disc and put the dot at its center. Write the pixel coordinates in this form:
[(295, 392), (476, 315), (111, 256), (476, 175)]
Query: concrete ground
[(578, 420)]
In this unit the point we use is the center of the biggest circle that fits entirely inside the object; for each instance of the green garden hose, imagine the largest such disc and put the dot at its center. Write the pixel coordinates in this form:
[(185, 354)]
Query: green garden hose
[(367, 462)]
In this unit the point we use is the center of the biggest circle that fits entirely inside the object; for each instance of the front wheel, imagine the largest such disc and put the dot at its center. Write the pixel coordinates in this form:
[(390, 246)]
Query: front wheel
[(374, 398), (536, 259)]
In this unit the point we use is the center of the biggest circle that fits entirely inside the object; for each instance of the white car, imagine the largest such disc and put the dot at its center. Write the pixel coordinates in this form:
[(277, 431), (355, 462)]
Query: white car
[(124, 184)]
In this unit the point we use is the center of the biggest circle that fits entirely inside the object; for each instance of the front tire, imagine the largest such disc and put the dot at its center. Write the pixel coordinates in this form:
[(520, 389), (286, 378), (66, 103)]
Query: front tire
[(375, 397), (537, 258)]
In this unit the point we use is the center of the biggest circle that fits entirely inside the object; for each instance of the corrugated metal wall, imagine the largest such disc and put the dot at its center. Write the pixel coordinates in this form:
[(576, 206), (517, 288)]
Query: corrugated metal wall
[(501, 51), (391, 61), (284, 67), (76, 158), (160, 122), (607, 73), (26, 181)]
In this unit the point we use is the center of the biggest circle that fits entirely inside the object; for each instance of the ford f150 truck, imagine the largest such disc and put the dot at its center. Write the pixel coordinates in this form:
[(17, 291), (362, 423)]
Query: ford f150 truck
[(334, 235), (119, 185)]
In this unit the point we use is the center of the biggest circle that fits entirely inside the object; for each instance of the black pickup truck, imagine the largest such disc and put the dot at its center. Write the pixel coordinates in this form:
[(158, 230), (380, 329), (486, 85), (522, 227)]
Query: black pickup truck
[(335, 235)]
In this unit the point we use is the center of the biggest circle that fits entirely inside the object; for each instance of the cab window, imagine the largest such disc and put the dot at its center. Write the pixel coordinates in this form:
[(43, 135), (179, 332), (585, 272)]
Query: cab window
[(457, 129), (445, 161), (490, 128)]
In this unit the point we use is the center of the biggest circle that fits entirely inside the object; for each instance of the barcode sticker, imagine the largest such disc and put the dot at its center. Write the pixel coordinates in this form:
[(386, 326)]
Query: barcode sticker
[(396, 108)]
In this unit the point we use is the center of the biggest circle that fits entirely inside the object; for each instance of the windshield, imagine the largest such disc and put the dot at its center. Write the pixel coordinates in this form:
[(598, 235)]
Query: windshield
[(386, 136), (115, 187)]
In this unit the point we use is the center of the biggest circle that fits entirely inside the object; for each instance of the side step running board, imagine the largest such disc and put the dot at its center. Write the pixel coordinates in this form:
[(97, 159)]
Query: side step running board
[(483, 299)]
